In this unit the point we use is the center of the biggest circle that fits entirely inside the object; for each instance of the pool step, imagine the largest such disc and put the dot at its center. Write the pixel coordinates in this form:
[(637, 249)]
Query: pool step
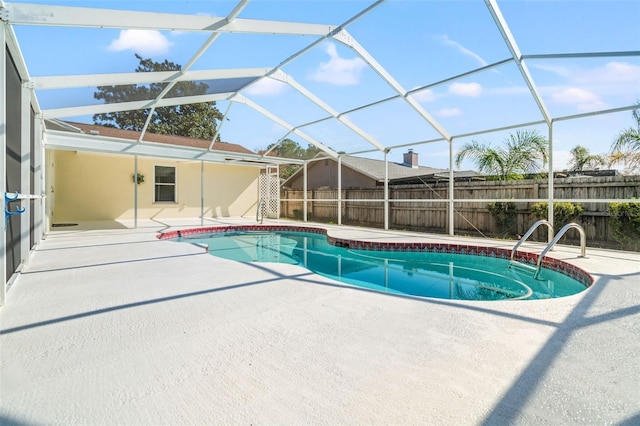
[(534, 270), (522, 265), (525, 267)]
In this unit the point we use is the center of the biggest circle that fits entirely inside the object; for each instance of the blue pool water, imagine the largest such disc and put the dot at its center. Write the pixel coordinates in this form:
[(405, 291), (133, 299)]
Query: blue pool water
[(439, 275)]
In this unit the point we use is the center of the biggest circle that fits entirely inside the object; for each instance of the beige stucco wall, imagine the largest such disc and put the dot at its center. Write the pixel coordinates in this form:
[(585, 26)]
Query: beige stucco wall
[(90, 186), (48, 178)]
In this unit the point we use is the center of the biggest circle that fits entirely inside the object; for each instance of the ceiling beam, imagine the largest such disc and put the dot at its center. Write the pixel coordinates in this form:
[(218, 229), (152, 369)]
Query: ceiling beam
[(287, 126), (131, 106), (116, 79), (212, 38), (56, 139), (285, 78), (503, 27), (345, 38), (84, 17), (613, 54)]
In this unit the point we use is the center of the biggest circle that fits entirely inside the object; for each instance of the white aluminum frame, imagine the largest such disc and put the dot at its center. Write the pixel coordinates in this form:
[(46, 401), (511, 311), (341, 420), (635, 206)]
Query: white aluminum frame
[(25, 14)]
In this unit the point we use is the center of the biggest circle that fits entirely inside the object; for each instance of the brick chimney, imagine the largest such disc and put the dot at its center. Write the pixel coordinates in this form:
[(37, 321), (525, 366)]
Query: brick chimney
[(411, 159)]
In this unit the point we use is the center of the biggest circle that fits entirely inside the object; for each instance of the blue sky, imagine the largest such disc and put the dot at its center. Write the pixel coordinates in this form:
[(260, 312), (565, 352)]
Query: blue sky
[(418, 42)]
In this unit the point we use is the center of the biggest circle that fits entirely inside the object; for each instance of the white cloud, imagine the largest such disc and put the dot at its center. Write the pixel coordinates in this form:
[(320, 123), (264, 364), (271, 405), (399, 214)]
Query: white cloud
[(585, 89), (449, 112), (425, 96), (267, 87), (145, 42), (461, 49), (555, 69), (612, 72), (508, 91), (561, 159), (573, 95), (466, 89), (339, 71), (583, 99)]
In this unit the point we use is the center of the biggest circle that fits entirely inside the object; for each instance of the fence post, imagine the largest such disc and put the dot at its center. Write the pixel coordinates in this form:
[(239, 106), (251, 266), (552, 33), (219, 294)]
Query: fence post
[(304, 189), (386, 190), (551, 190), (340, 190), (451, 189)]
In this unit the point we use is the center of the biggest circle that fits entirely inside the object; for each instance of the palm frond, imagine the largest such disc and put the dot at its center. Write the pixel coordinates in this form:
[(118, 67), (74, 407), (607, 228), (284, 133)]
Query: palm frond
[(628, 139)]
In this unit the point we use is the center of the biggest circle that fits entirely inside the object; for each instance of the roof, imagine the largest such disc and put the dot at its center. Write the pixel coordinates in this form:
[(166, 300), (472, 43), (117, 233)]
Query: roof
[(375, 168), (462, 175), (398, 172), (148, 137)]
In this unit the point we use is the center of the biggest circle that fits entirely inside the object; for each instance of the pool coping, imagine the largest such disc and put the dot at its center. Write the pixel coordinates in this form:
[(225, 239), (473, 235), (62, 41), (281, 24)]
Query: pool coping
[(528, 258)]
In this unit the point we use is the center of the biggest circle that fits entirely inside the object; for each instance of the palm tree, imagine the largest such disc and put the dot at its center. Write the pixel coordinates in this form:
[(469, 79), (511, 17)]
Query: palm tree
[(582, 159), (626, 147), (629, 139), (524, 152)]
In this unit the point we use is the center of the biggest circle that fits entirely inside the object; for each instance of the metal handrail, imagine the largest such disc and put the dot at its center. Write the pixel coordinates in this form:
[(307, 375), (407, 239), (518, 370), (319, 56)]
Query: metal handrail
[(583, 242), (260, 210), (528, 234)]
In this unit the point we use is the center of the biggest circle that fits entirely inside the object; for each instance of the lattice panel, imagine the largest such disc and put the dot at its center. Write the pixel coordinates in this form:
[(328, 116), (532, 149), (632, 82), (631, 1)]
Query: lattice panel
[(270, 192)]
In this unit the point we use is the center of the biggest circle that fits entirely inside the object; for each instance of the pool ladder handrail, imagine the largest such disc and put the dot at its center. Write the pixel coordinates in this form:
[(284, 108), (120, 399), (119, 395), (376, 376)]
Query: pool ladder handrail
[(260, 210), (560, 234), (563, 230), (528, 234)]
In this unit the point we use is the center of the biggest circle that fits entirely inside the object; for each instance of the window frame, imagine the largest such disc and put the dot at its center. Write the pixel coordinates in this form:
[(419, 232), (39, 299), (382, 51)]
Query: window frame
[(174, 184)]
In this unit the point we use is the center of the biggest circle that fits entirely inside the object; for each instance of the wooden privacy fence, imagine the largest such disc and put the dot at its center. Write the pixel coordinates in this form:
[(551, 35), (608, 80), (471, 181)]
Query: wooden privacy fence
[(423, 207)]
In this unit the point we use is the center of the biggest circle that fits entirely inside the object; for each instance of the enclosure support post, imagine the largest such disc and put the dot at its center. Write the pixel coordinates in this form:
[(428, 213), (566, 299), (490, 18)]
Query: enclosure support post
[(201, 193), (304, 190), (339, 190), (48, 183), (25, 174), (135, 191), (451, 189), (45, 180), (277, 192), (38, 182), (386, 190), (3, 158), (267, 196), (551, 189)]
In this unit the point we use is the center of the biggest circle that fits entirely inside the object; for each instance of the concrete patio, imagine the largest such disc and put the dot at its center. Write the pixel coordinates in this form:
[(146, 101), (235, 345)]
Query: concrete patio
[(109, 325)]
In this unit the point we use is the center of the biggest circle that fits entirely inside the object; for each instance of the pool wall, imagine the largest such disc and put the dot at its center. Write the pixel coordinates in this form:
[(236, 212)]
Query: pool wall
[(557, 265)]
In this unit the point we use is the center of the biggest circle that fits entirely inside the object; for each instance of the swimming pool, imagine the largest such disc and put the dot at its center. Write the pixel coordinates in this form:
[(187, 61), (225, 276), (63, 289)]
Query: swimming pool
[(414, 269)]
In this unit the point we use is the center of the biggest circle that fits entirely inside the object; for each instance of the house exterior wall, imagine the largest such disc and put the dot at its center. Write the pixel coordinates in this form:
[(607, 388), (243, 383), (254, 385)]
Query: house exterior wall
[(90, 186), (324, 173), (49, 194)]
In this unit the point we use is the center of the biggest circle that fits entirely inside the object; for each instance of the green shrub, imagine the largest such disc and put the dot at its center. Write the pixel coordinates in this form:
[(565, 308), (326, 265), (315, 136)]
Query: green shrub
[(563, 213), (625, 222), (505, 216)]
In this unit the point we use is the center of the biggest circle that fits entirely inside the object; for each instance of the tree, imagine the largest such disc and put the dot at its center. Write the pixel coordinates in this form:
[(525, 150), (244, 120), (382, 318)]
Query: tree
[(291, 149), (629, 160), (582, 159), (629, 139), (521, 153), (625, 222), (625, 149), (198, 120)]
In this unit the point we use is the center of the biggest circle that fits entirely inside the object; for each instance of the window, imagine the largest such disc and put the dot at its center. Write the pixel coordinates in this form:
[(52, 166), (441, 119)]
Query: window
[(165, 184)]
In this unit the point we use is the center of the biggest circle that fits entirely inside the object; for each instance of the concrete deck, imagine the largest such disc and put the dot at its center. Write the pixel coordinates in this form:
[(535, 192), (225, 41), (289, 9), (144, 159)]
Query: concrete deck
[(108, 325)]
